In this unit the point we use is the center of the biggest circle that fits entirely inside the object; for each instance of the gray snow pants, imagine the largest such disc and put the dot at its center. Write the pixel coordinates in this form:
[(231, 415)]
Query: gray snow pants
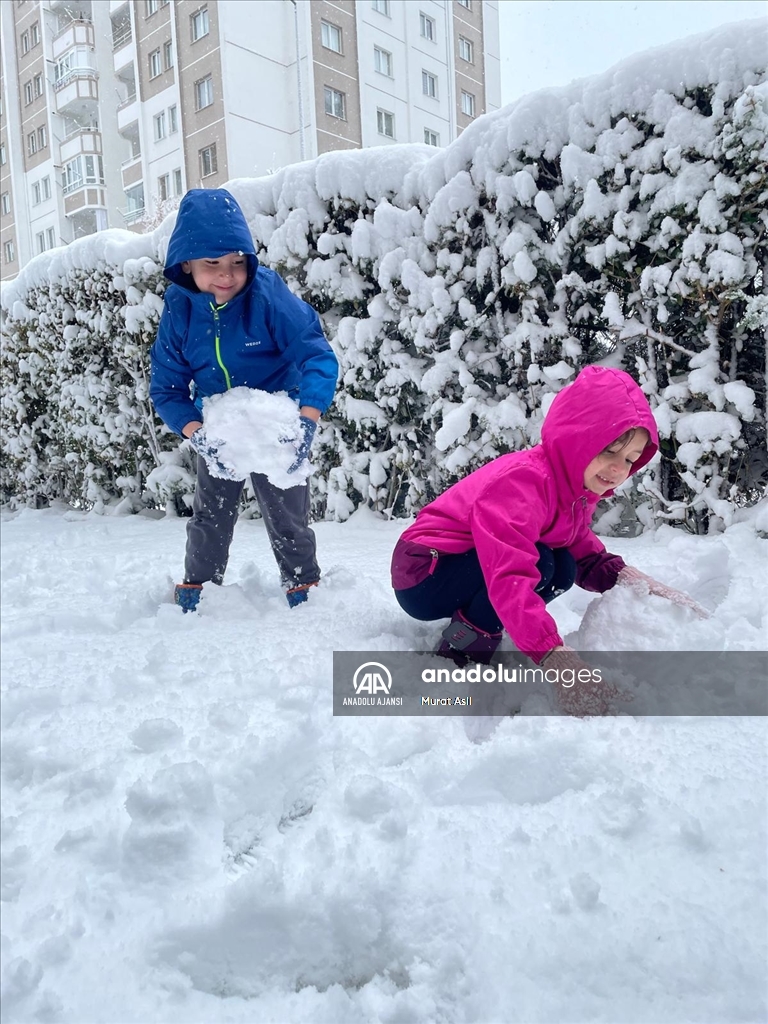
[(214, 514)]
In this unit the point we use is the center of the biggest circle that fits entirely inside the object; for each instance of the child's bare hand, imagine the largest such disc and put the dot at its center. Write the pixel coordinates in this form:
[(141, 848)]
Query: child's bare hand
[(629, 576)]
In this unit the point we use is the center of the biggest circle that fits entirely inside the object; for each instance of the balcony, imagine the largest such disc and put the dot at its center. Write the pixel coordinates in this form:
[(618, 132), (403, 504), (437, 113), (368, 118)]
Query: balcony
[(127, 113), (77, 91), (133, 215), (77, 33), (121, 37), (81, 195), (82, 140), (132, 171)]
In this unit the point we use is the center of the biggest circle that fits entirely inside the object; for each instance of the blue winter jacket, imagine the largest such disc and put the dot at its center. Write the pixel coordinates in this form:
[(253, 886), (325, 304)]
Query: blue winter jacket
[(265, 337)]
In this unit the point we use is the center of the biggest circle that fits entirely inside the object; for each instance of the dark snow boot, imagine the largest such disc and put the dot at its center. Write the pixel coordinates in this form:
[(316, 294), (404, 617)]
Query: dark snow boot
[(187, 595), (462, 642)]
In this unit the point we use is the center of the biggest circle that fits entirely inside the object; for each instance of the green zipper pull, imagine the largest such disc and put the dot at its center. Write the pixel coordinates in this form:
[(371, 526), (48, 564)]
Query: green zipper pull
[(218, 348)]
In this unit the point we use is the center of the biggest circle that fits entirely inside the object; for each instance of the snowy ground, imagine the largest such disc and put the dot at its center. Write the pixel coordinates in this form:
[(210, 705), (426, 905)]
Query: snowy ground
[(190, 836)]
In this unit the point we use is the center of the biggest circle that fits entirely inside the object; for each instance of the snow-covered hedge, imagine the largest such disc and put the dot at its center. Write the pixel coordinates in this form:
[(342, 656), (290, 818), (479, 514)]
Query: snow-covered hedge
[(622, 219)]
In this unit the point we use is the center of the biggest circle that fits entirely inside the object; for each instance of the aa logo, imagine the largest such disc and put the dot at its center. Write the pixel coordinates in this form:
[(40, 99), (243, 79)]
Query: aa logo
[(372, 677)]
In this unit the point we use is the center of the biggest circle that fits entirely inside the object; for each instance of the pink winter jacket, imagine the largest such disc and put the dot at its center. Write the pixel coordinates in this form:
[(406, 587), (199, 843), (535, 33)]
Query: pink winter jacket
[(505, 508)]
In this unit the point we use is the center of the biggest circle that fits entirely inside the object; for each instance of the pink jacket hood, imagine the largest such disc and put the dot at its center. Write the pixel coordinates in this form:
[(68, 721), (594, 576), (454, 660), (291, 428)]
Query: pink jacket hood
[(506, 507), (587, 416)]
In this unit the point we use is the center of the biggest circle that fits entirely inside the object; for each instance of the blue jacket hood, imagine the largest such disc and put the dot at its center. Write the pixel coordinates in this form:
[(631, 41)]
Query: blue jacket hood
[(210, 224)]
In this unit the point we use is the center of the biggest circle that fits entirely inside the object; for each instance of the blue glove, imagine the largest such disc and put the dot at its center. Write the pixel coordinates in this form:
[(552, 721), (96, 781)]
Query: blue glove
[(209, 449), (308, 428)]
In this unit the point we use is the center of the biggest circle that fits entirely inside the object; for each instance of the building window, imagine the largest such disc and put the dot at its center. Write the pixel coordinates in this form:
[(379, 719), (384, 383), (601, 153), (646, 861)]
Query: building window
[(382, 61), (83, 170), (159, 125), (431, 138), (3, 156), (173, 120), (168, 55), (427, 27), (429, 84), (6, 203), (151, 8), (331, 36), (465, 49), (203, 93), (51, 237), (25, 42), (177, 186), (208, 164), (34, 34), (10, 252), (199, 22), (135, 200), (466, 3), (32, 143), (79, 58), (27, 93), (40, 241), (163, 187), (155, 67), (334, 103), (382, 6), (46, 187), (38, 80), (37, 195), (385, 123), (42, 137), (467, 103)]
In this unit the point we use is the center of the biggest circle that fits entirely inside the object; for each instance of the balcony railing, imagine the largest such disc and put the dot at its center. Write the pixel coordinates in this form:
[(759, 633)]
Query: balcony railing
[(79, 131), (74, 23), (131, 216), (127, 102), (79, 183), (121, 37), (74, 74)]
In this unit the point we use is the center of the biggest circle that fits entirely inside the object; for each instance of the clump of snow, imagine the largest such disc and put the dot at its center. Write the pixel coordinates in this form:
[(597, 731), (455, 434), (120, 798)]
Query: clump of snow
[(260, 432)]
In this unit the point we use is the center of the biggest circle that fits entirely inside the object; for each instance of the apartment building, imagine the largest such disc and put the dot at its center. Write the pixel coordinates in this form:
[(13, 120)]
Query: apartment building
[(111, 109)]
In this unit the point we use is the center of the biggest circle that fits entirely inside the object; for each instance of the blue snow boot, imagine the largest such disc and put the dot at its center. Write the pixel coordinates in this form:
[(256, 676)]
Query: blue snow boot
[(298, 595), (187, 595)]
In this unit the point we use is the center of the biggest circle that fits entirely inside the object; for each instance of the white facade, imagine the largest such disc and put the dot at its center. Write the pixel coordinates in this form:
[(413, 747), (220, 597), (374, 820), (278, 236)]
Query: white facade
[(401, 63), (258, 44)]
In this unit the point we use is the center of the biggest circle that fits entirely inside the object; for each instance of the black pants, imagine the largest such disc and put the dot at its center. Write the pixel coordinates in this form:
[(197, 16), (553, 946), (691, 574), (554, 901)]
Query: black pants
[(214, 514), (458, 584)]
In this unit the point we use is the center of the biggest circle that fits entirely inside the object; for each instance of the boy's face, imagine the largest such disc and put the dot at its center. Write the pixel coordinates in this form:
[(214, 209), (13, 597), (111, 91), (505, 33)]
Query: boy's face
[(223, 277), (611, 468)]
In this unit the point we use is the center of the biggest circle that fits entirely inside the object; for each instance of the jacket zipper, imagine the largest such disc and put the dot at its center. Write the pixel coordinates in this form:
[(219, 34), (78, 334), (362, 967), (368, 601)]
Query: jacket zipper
[(433, 564), (227, 379)]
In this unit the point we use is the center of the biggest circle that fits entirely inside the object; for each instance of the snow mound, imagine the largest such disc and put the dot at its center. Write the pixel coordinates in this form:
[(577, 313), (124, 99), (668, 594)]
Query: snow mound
[(260, 432)]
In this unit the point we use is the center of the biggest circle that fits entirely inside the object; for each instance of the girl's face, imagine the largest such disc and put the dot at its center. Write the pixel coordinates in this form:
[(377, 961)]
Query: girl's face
[(611, 467)]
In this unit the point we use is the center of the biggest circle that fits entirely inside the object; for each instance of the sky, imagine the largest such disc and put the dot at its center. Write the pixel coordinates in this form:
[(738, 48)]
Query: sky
[(551, 42)]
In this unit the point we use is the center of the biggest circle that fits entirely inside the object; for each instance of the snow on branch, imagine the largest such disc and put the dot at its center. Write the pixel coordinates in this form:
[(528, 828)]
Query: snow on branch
[(621, 219)]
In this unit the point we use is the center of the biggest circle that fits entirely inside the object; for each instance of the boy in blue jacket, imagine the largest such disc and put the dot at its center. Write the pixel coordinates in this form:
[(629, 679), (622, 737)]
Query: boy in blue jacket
[(229, 322)]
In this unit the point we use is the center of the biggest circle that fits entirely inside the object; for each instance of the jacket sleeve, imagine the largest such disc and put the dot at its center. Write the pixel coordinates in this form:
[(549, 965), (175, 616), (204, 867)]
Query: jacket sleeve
[(297, 331), (171, 376), (505, 532), (596, 569)]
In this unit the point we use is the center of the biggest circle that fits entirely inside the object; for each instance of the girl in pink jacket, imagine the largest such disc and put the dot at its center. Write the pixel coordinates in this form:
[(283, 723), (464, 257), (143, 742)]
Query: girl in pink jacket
[(498, 546)]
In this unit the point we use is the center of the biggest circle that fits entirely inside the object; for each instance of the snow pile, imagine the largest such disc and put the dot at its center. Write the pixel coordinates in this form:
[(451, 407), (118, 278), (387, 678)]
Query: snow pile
[(621, 219), (189, 835), (260, 433)]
